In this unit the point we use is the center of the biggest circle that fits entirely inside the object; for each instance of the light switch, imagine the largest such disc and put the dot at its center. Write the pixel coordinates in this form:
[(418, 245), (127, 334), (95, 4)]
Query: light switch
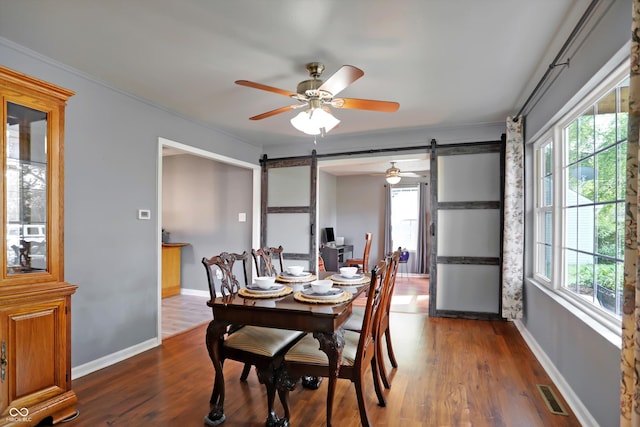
[(144, 214), (242, 217)]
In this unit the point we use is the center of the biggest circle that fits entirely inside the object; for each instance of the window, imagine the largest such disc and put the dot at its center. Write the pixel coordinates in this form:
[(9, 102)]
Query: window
[(404, 217), (580, 182)]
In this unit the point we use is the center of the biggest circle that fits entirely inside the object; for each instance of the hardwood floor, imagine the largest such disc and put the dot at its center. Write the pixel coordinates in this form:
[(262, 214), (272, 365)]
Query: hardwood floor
[(451, 372)]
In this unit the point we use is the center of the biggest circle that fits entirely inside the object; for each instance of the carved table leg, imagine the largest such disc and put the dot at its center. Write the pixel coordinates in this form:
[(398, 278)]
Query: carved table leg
[(267, 376), (332, 344), (215, 331)]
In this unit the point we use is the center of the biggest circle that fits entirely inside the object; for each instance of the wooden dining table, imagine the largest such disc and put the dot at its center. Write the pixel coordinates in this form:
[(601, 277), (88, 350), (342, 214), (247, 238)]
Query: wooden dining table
[(324, 321)]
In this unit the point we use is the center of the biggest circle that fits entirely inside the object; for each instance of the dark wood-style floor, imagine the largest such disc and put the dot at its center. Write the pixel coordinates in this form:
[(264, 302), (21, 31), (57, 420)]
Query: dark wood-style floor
[(451, 373)]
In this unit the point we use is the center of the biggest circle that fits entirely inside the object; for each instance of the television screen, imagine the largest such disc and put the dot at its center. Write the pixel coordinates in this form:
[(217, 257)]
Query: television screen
[(329, 234)]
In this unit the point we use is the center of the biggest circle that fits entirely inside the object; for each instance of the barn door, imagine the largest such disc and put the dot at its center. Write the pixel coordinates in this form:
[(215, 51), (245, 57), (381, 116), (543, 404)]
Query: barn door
[(466, 200), (288, 208)]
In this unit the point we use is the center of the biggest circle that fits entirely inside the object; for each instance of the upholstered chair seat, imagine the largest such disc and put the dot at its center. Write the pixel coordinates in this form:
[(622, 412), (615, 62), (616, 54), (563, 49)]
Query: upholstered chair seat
[(262, 341)]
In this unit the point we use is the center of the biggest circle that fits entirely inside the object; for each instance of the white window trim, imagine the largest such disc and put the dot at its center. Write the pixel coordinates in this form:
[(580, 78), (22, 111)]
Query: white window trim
[(606, 324)]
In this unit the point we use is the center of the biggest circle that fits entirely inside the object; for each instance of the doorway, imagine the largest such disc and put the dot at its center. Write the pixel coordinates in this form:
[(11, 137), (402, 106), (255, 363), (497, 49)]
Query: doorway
[(206, 207)]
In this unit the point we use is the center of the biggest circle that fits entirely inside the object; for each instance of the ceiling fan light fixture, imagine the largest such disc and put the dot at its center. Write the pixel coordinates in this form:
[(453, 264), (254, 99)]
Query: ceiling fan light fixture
[(314, 121), (392, 175)]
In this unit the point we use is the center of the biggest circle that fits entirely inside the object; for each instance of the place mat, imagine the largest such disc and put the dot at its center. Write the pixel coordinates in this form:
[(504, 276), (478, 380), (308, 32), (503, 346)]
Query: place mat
[(300, 297), (295, 279), (365, 280), (245, 293)]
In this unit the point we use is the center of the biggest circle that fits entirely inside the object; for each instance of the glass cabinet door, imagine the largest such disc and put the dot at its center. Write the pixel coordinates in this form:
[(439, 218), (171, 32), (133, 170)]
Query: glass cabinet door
[(26, 185)]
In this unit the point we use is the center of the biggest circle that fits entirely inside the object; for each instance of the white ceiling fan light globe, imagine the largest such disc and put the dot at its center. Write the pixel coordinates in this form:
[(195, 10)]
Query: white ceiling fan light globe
[(393, 179), (393, 174), (303, 123), (312, 121)]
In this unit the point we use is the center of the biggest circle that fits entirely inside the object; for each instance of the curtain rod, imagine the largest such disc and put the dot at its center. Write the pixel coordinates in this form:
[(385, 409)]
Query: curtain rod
[(583, 19)]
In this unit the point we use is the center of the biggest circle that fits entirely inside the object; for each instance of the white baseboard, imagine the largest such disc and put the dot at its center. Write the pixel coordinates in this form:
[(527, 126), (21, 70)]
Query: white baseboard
[(196, 292), (112, 359), (581, 411)]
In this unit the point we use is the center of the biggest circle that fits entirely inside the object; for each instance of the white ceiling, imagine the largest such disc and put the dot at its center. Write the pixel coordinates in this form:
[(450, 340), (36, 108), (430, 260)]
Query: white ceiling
[(447, 62)]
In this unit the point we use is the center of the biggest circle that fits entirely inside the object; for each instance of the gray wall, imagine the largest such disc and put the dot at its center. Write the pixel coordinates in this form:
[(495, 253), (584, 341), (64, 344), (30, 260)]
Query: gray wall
[(589, 363), (327, 188), (360, 209), (201, 200), (111, 152)]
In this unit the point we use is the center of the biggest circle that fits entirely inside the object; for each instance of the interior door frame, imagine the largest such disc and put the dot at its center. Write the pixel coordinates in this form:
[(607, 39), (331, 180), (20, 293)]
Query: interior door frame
[(461, 149)]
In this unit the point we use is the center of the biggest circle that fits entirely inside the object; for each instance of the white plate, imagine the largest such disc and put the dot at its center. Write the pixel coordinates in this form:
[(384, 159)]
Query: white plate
[(254, 289), (303, 274), (333, 293), (341, 278)]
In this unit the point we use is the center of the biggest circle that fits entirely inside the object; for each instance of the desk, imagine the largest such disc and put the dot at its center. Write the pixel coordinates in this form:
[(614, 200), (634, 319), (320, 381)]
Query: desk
[(323, 320), (335, 257)]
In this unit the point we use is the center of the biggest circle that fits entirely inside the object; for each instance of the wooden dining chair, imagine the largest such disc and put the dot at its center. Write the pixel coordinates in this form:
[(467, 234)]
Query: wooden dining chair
[(305, 358), (354, 322), (362, 263), (263, 259), (251, 345), (321, 266)]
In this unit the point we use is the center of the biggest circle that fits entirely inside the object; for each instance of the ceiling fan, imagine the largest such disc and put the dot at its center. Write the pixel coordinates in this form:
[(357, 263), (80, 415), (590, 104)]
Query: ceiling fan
[(393, 175), (316, 96)]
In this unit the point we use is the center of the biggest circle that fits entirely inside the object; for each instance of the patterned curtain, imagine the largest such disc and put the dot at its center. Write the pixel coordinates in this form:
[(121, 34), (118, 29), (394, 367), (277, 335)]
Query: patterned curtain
[(630, 357), (513, 241)]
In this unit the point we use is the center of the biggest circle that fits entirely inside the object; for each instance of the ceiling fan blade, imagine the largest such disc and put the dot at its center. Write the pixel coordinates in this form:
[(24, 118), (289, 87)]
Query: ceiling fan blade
[(342, 78), (276, 111), (255, 85), (365, 104)]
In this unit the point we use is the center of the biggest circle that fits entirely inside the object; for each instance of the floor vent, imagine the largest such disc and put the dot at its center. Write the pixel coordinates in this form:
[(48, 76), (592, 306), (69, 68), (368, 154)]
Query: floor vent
[(551, 400)]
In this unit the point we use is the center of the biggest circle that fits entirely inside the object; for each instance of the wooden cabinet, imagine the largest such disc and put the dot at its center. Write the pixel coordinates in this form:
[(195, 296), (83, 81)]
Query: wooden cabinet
[(171, 262), (335, 257), (35, 301)]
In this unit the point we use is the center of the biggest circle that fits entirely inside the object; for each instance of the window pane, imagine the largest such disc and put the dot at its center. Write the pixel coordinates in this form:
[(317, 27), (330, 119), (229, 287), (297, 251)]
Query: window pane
[(620, 229), (622, 171), (571, 139), (605, 121), (605, 279), (547, 197), (606, 236), (606, 185), (547, 218), (547, 261), (586, 129), (623, 110), (544, 260), (571, 270), (547, 154), (585, 228), (585, 173), (585, 275), (404, 217), (571, 228), (571, 186)]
